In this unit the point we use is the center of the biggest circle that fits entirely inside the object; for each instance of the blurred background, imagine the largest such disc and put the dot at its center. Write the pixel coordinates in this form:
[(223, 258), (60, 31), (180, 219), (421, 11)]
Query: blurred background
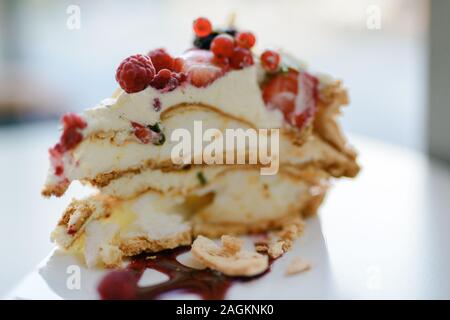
[(49, 68), (50, 65)]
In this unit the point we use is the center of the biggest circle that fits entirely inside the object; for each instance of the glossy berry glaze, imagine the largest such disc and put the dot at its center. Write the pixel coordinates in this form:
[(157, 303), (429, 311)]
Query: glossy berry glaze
[(206, 283)]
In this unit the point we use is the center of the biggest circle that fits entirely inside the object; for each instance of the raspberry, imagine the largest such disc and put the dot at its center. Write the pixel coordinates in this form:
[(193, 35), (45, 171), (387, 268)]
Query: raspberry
[(161, 79), (270, 60), (241, 58), (202, 27), (161, 59), (245, 40), (71, 136), (118, 285), (135, 73), (222, 46)]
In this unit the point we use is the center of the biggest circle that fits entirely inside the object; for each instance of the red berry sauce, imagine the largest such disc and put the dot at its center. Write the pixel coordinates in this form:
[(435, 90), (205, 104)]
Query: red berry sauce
[(206, 283)]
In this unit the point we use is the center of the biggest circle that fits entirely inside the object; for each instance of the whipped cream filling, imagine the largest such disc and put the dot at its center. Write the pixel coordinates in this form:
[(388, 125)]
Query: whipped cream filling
[(237, 93)]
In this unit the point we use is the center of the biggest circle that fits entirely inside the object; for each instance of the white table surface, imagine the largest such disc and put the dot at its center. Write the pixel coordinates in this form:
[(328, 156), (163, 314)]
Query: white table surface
[(381, 235)]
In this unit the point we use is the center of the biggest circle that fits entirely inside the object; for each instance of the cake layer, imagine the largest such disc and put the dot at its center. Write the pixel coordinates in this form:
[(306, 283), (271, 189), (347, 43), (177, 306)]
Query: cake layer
[(237, 202), (314, 152), (106, 155)]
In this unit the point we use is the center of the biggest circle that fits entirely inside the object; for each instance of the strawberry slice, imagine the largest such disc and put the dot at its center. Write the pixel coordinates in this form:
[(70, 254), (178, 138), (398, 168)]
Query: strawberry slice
[(201, 67), (203, 75), (305, 104), (294, 93), (141, 132)]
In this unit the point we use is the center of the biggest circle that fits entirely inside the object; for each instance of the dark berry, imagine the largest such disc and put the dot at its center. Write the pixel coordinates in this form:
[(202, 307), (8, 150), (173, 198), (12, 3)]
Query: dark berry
[(205, 42), (135, 73), (202, 27), (231, 31)]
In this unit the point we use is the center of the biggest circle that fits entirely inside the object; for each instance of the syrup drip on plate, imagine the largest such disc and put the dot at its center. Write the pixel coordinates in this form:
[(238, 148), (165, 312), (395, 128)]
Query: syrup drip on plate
[(206, 283)]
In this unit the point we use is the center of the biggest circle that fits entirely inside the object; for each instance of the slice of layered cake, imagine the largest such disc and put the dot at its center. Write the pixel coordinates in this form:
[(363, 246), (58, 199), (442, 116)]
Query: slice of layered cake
[(157, 191)]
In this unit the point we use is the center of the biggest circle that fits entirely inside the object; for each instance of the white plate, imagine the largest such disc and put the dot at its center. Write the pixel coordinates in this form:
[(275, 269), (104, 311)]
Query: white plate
[(54, 278)]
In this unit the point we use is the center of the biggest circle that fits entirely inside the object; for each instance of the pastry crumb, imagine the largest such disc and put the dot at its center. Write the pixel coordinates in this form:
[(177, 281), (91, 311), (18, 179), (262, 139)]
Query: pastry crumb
[(282, 240), (297, 265), (230, 259), (275, 249)]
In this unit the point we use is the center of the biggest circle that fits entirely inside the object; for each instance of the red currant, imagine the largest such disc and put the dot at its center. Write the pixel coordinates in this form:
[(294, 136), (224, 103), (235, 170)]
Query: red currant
[(241, 58), (161, 79), (202, 27), (222, 62), (222, 46), (270, 60), (245, 40)]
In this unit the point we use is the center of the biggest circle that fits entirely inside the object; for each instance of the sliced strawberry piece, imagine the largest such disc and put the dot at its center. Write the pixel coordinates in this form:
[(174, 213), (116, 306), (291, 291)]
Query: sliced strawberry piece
[(280, 92), (195, 57), (141, 132), (305, 104), (201, 68), (203, 75), (294, 93)]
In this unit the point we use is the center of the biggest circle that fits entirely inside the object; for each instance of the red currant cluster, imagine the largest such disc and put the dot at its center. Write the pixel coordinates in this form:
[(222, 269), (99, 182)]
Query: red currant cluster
[(229, 51), (233, 50), (220, 51)]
